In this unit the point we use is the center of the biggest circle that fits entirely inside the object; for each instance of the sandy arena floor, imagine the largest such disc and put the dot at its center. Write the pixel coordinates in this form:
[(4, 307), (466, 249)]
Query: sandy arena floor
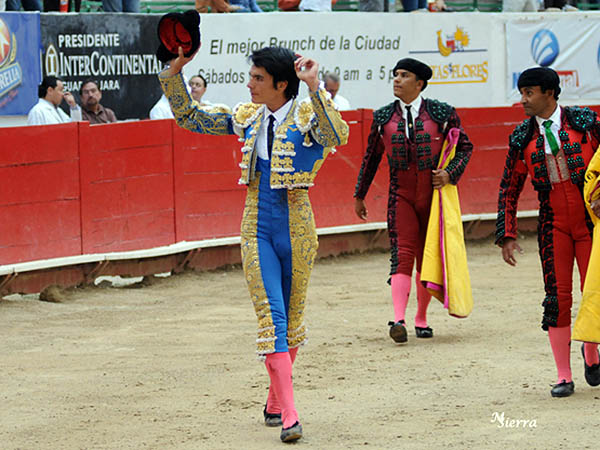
[(172, 366)]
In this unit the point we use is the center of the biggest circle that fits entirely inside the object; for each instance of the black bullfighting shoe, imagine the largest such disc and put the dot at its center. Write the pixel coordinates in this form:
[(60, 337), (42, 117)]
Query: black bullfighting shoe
[(563, 389), (398, 331), (592, 373), (272, 419), (424, 332), (292, 433)]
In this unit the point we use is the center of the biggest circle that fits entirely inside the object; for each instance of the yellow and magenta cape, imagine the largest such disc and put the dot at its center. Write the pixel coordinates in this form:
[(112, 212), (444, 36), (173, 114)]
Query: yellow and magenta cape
[(444, 271)]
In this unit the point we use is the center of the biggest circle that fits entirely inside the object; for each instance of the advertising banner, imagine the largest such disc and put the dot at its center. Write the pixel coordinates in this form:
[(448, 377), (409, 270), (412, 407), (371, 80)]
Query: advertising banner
[(361, 48), (117, 50), (20, 72), (571, 46)]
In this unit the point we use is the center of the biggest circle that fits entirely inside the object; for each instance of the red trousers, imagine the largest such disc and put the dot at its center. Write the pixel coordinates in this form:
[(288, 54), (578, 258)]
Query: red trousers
[(408, 214), (564, 237)]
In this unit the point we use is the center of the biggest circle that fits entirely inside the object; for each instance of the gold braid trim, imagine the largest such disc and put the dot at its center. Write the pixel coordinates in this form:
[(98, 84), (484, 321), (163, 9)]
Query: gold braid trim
[(187, 112), (331, 129), (265, 342), (303, 237)]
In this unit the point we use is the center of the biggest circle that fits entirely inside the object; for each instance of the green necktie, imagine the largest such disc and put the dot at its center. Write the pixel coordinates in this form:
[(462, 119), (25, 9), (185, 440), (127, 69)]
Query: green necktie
[(550, 137)]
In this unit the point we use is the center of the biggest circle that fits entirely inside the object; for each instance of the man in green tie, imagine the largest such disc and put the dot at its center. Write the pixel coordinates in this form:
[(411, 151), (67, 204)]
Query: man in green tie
[(554, 146)]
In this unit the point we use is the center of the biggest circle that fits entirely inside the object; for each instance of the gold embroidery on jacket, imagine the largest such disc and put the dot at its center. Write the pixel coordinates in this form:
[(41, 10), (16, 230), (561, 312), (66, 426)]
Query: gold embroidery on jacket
[(265, 341), (187, 113), (303, 238)]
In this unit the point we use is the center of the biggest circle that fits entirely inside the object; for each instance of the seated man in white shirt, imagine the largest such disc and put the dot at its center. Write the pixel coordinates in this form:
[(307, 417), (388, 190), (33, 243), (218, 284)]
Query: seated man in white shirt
[(46, 111), (332, 85), (161, 109)]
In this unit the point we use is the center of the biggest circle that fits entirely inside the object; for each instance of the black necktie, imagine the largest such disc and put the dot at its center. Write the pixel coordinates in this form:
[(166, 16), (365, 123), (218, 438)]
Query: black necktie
[(270, 135), (409, 119)]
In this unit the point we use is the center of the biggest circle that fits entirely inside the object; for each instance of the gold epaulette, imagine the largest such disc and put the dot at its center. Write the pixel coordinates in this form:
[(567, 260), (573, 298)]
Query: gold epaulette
[(245, 113), (304, 115)]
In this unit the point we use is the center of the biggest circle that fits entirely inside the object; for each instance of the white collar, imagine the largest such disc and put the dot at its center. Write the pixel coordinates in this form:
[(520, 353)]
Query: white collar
[(281, 113), (415, 106), (555, 118), (45, 102)]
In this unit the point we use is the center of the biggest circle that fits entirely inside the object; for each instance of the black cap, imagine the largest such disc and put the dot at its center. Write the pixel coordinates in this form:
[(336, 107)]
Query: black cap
[(421, 70), (544, 77), (178, 30)]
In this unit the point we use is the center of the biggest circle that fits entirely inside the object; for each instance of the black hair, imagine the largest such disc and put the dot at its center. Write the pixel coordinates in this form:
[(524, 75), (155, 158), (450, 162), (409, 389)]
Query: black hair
[(424, 82), (544, 77), (48, 81), (203, 79), (89, 80), (279, 63)]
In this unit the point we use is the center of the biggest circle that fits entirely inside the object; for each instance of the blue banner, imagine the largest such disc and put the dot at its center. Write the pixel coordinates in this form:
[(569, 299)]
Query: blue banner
[(20, 71)]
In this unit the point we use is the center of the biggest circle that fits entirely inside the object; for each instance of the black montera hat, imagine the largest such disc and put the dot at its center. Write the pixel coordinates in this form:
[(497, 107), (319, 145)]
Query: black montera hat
[(421, 70), (539, 76), (178, 30)]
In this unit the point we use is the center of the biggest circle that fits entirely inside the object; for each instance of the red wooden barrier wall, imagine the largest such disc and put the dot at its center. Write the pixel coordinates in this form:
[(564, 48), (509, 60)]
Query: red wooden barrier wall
[(39, 193), (78, 189), (208, 198), (127, 195)]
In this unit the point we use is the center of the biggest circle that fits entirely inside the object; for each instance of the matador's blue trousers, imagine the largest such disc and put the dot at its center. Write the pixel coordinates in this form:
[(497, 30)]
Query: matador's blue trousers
[(279, 245)]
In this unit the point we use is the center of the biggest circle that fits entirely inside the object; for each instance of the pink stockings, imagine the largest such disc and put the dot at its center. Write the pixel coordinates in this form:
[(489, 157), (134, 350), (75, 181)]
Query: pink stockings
[(281, 390), (591, 353), (400, 294), (560, 341)]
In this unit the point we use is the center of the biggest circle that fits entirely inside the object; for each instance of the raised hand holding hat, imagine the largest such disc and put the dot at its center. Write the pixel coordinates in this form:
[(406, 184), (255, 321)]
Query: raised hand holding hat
[(178, 30)]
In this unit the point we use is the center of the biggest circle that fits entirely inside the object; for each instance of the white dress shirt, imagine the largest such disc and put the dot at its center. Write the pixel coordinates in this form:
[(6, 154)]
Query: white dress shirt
[(341, 103), (555, 128), (315, 5), (45, 113), (162, 109), (415, 106), (261, 136)]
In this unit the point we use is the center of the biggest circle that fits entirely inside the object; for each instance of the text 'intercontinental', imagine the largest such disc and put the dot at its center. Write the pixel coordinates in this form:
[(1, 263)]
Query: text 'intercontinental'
[(98, 64)]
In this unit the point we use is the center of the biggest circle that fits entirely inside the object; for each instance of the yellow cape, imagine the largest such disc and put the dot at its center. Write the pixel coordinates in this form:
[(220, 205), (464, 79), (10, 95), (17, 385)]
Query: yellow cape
[(444, 271), (587, 324)]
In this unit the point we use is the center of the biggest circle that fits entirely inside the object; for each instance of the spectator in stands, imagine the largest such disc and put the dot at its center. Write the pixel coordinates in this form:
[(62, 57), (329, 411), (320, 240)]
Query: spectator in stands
[(288, 5), (520, 5), (439, 6), (332, 85), (414, 5), (216, 6), (131, 6), (315, 5), (246, 5), (562, 5), (54, 5), (198, 89), (92, 110), (28, 5), (305, 5), (46, 111)]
